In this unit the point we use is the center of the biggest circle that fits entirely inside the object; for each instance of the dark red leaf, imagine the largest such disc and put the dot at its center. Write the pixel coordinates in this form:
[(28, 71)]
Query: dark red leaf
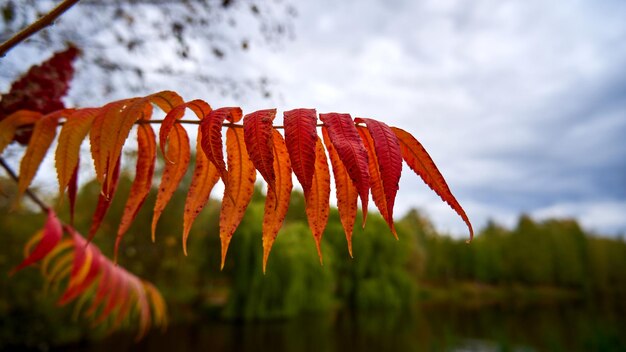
[(257, 133), (301, 137)]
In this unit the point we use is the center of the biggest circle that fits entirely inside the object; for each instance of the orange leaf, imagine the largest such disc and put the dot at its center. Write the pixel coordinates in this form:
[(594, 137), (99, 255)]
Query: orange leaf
[(177, 150), (165, 100), (318, 195), (205, 176), (240, 185), (85, 270), (103, 203), (11, 123), (211, 127), (100, 140), (301, 137), (257, 133), (346, 191), (421, 163), (43, 134), (146, 156), (51, 236), (72, 190), (376, 181), (199, 107), (346, 141), (72, 134), (277, 201), (117, 128)]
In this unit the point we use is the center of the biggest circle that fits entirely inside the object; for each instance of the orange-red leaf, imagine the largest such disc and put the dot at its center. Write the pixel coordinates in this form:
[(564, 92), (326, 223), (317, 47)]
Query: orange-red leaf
[(199, 107), (72, 134), (85, 270), (100, 140), (346, 192), (146, 156), (11, 123), (166, 100), (240, 185), (52, 233), (72, 190), (43, 134), (422, 164), (211, 127), (104, 203), (205, 176), (376, 181), (346, 141), (277, 201), (318, 196), (117, 128), (178, 151), (257, 133), (301, 137)]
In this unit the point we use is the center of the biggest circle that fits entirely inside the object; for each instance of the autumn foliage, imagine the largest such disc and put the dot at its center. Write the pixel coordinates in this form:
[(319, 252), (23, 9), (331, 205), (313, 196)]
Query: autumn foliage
[(365, 157)]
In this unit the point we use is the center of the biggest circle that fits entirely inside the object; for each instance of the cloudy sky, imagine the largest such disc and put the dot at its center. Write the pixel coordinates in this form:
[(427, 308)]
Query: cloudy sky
[(522, 104)]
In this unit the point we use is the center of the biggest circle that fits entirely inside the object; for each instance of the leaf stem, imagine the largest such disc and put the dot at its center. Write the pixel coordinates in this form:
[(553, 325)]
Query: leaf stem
[(28, 192), (36, 26)]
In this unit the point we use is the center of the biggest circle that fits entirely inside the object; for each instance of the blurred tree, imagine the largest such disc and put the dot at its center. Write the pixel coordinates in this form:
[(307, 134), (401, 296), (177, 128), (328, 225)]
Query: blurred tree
[(132, 46)]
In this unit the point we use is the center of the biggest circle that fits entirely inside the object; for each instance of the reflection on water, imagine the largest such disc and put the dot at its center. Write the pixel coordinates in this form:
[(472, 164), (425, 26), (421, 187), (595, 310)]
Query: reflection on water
[(545, 327)]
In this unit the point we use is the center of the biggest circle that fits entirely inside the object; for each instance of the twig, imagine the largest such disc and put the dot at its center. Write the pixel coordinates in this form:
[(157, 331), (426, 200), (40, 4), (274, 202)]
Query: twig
[(36, 26), (28, 192)]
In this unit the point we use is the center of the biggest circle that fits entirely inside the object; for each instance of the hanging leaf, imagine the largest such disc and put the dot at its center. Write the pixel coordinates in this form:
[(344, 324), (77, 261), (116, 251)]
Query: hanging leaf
[(43, 135), (166, 100), (211, 127), (142, 183), (376, 180), (205, 176), (240, 185), (52, 233), (72, 190), (72, 134), (346, 141), (103, 203), (301, 137), (346, 192), (277, 201), (318, 196), (99, 140), (178, 150), (257, 133), (421, 163), (11, 123)]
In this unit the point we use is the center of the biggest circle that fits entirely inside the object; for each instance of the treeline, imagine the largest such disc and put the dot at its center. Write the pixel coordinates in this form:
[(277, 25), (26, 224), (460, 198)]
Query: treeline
[(384, 273), (555, 253)]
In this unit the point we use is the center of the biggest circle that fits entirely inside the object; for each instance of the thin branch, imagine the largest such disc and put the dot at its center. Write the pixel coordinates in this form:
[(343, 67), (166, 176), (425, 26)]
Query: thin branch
[(28, 192), (36, 26)]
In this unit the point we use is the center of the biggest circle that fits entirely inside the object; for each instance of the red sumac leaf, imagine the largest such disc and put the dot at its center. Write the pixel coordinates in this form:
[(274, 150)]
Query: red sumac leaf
[(178, 150), (104, 203), (144, 170), (318, 196), (277, 201), (346, 192), (211, 127), (389, 159), (301, 138), (199, 107), (52, 233), (376, 181), (346, 141), (417, 158), (240, 186), (257, 133)]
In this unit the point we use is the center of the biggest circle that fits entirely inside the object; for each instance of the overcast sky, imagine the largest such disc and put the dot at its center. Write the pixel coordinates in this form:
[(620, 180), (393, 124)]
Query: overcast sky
[(522, 104)]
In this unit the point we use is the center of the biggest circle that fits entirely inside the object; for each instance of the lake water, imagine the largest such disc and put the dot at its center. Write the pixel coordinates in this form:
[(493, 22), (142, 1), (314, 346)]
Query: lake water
[(572, 326)]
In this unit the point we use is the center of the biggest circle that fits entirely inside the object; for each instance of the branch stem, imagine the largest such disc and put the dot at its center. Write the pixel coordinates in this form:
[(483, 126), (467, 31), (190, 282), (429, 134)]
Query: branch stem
[(36, 26), (28, 192)]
